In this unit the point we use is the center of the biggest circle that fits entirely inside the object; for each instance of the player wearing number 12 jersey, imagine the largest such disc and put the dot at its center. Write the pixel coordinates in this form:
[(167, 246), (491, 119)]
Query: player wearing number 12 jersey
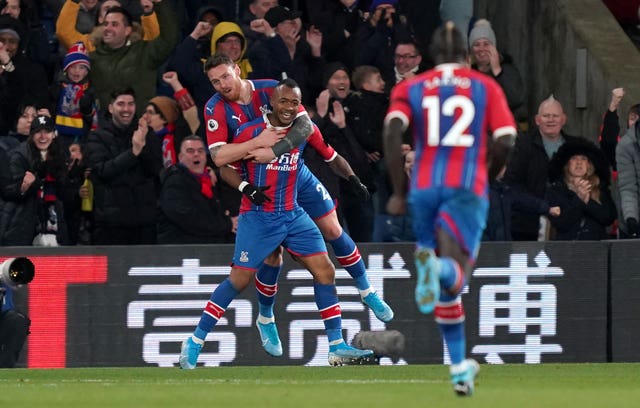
[(453, 111)]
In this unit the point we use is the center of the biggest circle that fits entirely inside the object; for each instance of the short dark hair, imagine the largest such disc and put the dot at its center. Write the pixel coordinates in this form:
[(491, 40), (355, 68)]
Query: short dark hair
[(128, 19), (289, 83), (121, 91), (216, 60), (194, 138), (448, 45)]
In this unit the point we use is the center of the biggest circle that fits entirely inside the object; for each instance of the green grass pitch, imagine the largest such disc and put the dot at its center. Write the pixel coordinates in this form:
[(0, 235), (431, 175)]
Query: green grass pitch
[(427, 386)]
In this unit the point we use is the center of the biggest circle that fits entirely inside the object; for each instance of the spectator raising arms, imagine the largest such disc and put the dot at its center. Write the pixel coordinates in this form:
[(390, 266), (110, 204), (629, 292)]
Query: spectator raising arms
[(119, 62)]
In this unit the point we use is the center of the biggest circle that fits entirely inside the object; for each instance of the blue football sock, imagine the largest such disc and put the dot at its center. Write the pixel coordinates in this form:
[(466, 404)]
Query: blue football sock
[(215, 308), (450, 317), (327, 302), (349, 258), (267, 287)]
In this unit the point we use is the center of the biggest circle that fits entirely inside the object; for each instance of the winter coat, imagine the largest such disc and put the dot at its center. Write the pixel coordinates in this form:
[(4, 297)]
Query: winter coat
[(510, 81), (579, 220), (628, 162), (502, 201), (135, 64), (186, 215), (125, 186), (527, 171), (26, 215)]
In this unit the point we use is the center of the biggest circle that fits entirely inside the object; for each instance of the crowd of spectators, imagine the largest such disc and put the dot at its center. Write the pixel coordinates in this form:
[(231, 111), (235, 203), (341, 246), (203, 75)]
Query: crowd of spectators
[(120, 88)]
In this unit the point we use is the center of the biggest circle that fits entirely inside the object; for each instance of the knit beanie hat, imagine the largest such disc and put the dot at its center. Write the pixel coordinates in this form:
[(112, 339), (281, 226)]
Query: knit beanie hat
[(482, 29), (168, 108), (77, 54), (331, 69), (376, 3)]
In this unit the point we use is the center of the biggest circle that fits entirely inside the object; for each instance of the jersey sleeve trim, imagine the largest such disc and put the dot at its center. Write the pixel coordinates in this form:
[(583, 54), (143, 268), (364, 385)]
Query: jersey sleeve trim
[(504, 131), (216, 144), (333, 156), (397, 115)]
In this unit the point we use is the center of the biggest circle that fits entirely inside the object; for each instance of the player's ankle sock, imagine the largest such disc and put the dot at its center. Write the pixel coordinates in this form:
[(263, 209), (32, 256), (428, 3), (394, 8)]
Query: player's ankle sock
[(327, 302), (266, 280), (215, 308), (348, 256), (449, 315)]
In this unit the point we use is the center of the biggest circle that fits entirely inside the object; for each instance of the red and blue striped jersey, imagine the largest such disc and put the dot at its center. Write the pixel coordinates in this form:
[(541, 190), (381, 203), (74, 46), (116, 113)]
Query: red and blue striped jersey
[(223, 117), (451, 110), (281, 174)]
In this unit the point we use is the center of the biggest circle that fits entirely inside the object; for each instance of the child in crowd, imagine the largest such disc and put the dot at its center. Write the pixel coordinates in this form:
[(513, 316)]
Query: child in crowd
[(75, 112)]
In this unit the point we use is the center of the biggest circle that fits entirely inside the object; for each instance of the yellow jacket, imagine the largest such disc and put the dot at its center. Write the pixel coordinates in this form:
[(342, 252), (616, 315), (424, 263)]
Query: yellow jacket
[(224, 28), (68, 35)]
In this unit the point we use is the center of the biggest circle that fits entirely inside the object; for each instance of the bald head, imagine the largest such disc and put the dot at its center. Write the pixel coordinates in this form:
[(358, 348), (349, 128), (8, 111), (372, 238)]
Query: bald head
[(550, 118)]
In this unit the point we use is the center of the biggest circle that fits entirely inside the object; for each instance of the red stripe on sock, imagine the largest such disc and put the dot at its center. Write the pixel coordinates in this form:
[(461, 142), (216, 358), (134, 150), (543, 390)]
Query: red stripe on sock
[(214, 310), (351, 259), (266, 290), (451, 312), (331, 312)]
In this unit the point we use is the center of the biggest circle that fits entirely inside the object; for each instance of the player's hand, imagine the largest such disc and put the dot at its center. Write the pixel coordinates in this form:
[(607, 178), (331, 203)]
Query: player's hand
[(256, 193), (261, 155), (268, 137), (359, 189), (397, 205)]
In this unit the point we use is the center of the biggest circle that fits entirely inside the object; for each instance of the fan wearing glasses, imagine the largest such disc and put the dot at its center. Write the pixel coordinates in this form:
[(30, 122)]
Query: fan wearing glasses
[(406, 61)]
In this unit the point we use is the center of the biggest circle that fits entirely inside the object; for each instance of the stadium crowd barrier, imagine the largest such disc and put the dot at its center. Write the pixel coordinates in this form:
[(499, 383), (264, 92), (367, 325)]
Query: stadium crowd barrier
[(530, 302)]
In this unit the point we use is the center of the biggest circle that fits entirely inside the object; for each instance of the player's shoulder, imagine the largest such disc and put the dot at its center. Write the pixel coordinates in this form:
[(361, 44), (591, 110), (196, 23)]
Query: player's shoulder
[(264, 84), (216, 101)]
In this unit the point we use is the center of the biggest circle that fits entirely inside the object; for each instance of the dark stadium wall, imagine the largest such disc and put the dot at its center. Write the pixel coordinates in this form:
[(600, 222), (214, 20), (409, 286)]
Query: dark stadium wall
[(132, 306)]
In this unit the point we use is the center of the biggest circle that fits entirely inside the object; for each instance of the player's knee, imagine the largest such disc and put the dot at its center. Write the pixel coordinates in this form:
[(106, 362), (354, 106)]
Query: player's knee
[(330, 227), (240, 278), (324, 274)]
